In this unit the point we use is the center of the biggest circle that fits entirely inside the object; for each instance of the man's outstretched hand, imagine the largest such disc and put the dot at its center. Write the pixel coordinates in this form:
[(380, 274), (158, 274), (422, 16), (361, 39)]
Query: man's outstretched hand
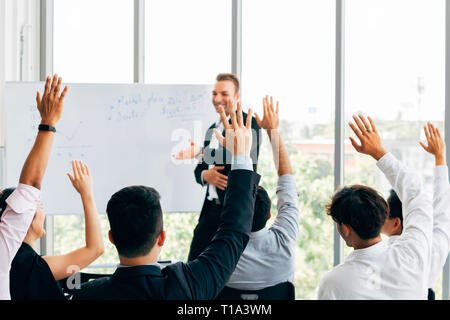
[(238, 138), (368, 136), (436, 145), (51, 104)]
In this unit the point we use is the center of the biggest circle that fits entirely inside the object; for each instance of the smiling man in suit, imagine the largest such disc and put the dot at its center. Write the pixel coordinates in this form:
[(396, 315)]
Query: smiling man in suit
[(215, 161)]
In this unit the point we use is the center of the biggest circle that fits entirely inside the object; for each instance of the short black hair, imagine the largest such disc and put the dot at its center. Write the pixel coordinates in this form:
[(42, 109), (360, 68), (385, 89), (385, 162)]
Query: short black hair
[(135, 219), (360, 207), (395, 206), (262, 209), (4, 194)]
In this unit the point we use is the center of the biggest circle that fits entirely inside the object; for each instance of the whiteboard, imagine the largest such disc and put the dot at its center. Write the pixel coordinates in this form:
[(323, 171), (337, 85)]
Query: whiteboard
[(125, 133)]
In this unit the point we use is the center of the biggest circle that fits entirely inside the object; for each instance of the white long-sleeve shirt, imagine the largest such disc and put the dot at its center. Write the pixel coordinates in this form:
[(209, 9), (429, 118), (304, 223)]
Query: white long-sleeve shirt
[(15, 221), (441, 223), (269, 258), (397, 269)]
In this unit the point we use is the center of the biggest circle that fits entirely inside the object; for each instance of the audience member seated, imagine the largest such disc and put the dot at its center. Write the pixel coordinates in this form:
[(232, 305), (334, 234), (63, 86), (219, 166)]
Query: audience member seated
[(136, 229), (21, 206), (393, 226), (378, 269), (34, 277), (268, 261)]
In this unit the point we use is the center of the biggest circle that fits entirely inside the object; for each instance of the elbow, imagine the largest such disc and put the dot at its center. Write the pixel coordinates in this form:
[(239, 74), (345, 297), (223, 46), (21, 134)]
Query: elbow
[(96, 251), (100, 250)]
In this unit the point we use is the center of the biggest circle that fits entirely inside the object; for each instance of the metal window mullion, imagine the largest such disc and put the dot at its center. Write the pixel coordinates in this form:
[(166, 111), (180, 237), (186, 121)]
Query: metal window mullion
[(339, 121), (236, 38), (446, 271), (139, 41), (46, 68), (46, 39)]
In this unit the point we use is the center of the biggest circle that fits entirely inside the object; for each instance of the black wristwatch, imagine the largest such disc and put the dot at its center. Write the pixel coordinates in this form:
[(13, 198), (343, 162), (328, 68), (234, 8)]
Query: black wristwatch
[(46, 127)]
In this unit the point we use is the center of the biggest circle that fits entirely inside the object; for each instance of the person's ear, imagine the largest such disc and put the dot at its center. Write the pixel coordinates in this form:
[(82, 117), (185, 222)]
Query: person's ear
[(161, 238), (237, 96), (110, 237), (397, 225), (346, 229)]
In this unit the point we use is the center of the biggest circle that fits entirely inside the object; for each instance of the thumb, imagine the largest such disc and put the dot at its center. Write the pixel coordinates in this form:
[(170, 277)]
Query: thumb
[(423, 145), (219, 137), (258, 119), (70, 177), (218, 168)]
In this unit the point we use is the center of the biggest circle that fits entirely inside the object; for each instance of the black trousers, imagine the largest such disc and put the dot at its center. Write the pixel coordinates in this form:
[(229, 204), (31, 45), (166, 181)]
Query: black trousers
[(206, 228)]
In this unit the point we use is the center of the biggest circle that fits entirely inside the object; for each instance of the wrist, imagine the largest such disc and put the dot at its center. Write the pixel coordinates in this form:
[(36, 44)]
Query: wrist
[(379, 154), (440, 160), (51, 123), (86, 195)]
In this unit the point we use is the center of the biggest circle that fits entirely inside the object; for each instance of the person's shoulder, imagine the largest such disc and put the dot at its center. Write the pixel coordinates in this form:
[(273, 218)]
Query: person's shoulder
[(336, 276), (94, 289)]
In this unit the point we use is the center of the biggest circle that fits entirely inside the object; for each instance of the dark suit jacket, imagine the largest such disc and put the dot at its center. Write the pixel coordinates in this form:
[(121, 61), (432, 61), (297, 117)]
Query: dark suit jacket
[(200, 279), (30, 277), (222, 157)]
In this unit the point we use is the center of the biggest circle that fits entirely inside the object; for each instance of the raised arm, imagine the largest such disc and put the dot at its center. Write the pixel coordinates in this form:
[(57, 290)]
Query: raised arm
[(288, 212), (50, 108), (415, 241), (441, 203), (206, 275), (270, 123), (82, 182), (22, 203)]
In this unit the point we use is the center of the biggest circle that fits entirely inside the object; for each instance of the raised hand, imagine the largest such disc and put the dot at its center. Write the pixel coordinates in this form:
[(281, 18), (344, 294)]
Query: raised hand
[(270, 118), (238, 138), (51, 104), (436, 145), (81, 179), (368, 136), (187, 153)]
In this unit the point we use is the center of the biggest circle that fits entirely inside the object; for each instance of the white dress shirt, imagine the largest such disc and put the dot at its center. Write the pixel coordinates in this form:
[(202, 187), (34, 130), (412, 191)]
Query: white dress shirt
[(399, 268), (213, 144), (15, 221), (441, 223)]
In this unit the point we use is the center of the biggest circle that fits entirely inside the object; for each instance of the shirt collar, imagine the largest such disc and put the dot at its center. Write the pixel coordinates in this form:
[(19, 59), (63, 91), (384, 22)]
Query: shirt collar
[(149, 264), (368, 252)]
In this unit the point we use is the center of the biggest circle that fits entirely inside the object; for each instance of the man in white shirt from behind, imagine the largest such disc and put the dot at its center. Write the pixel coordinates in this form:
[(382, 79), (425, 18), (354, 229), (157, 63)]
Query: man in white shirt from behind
[(441, 208), (377, 269)]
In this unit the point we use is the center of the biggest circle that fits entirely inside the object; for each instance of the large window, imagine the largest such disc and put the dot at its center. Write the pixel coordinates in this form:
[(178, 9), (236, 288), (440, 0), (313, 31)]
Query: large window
[(394, 64), (187, 41), (93, 40), (288, 52), (394, 72)]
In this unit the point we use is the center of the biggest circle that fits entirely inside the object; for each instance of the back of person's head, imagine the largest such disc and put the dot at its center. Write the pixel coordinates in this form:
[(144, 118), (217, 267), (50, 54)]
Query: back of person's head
[(360, 207), (262, 209), (395, 206), (229, 77), (135, 219), (4, 194)]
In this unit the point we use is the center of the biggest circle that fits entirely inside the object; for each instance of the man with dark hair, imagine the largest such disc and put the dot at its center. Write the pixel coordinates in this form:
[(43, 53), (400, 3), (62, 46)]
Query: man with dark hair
[(378, 269), (269, 258), (394, 220), (137, 232), (214, 161), (441, 208), (262, 209), (22, 204)]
